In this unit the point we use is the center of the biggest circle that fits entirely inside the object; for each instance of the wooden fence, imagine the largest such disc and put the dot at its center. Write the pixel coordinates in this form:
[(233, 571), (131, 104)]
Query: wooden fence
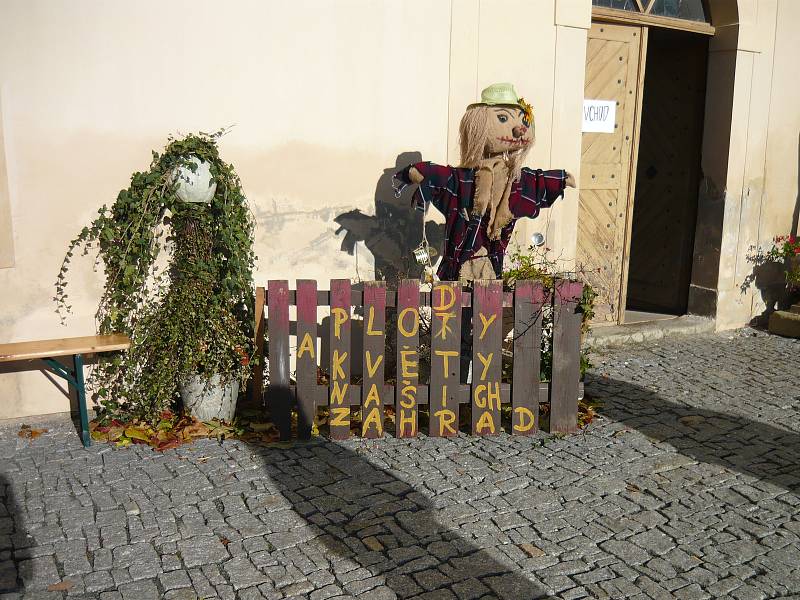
[(444, 393)]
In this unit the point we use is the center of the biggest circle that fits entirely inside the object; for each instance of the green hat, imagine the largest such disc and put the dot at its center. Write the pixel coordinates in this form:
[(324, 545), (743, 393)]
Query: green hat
[(504, 93), (499, 93)]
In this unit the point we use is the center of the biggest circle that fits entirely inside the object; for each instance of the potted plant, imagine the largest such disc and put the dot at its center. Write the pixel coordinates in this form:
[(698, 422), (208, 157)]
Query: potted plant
[(190, 322)]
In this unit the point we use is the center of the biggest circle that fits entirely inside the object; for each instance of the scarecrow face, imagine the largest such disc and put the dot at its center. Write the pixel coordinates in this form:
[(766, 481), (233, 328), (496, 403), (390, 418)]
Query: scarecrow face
[(509, 129)]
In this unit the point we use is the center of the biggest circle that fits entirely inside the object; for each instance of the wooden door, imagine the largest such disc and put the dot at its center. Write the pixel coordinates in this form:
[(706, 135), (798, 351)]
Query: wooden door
[(614, 71), (668, 173)]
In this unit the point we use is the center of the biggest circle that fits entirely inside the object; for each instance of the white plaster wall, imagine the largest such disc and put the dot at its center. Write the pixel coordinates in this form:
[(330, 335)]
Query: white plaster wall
[(324, 96), (761, 188)]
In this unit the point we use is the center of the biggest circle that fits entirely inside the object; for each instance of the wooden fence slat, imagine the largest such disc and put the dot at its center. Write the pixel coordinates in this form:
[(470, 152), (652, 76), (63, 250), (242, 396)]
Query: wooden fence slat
[(306, 356), (528, 305), (487, 357), (445, 359), (374, 359), (406, 412), (340, 359), (280, 398), (566, 357), (257, 370)]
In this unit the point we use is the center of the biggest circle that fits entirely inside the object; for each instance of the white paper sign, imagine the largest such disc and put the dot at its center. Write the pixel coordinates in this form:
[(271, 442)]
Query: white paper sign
[(599, 116)]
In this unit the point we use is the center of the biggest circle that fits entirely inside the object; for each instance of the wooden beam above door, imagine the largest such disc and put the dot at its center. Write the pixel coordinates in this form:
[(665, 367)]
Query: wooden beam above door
[(613, 15)]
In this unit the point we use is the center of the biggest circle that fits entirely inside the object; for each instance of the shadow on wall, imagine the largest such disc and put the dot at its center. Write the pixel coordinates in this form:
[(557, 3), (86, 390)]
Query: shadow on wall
[(395, 230), (11, 533)]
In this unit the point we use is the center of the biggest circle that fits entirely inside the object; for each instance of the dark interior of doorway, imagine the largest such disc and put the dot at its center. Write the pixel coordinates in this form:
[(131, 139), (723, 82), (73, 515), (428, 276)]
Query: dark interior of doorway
[(668, 175)]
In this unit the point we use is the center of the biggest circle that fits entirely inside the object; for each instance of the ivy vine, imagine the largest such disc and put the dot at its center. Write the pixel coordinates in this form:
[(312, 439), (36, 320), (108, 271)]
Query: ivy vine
[(193, 316)]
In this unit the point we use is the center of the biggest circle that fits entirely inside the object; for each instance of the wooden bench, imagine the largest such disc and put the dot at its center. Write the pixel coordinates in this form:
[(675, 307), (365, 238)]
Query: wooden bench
[(77, 347)]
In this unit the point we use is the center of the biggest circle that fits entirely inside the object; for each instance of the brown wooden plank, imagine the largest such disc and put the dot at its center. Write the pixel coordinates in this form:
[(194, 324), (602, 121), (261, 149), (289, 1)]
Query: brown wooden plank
[(445, 363), (279, 397), (306, 356), (627, 17), (487, 358), (528, 305), (374, 359), (406, 412), (340, 359), (356, 298), (566, 357), (257, 371), (90, 344)]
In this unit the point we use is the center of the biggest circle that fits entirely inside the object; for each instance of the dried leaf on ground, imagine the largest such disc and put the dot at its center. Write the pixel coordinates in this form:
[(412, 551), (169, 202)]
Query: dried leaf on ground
[(28, 432), (63, 586)]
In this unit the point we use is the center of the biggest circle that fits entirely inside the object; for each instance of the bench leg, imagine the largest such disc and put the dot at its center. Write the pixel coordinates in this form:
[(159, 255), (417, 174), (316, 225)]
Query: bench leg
[(80, 387)]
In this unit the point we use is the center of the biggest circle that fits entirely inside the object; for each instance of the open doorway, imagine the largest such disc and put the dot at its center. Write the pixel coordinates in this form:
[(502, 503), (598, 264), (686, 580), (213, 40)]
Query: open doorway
[(667, 176)]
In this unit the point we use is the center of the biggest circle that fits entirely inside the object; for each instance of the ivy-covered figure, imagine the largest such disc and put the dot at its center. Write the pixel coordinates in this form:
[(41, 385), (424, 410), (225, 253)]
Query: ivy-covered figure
[(191, 320)]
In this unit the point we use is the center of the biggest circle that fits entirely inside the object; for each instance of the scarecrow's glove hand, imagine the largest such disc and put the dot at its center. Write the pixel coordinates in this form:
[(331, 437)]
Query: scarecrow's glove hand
[(570, 180), (414, 175)]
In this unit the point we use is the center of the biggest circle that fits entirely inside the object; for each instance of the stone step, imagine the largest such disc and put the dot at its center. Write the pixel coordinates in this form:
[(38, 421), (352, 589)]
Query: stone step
[(795, 309), (785, 323)]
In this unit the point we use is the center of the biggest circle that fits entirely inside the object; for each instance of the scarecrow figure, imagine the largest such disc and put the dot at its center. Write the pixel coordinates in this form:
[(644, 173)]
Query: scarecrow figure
[(484, 196)]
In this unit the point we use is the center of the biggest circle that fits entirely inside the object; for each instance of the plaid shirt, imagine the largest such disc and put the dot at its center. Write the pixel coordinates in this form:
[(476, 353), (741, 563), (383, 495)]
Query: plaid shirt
[(451, 189)]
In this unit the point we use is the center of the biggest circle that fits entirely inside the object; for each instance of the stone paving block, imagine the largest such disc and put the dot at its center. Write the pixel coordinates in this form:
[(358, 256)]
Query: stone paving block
[(144, 589)]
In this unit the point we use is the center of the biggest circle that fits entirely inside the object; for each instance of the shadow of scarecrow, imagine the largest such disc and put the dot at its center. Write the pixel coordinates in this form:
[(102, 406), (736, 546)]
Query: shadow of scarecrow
[(392, 234)]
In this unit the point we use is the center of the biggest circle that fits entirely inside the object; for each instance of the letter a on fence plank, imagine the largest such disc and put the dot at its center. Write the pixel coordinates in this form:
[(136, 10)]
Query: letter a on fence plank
[(406, 417), (280, 396), (374, 359), (306, 356), (339, 401), (445, 359), (566, 357), (487, 338), (528, 305)]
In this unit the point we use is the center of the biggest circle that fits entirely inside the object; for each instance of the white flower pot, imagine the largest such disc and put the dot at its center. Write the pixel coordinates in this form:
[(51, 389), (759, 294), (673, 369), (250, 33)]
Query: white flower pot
[(209, 399), (197, 186)]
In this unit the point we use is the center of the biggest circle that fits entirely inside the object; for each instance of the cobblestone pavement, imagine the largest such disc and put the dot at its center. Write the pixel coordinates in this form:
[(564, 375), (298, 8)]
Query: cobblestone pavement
[(688, 487)]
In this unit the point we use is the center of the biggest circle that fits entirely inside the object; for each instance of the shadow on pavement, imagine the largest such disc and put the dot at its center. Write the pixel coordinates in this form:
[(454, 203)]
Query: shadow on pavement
[(10, 528), (733, 441), (378, 522)]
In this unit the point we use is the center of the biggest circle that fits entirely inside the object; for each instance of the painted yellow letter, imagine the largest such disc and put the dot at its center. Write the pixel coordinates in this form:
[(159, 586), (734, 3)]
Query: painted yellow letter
[(373, 418), (407, 363), (408, 396), (373, 396), (336, 367), (526, 421), (340, 415), (370, 321), (484, 421), (486, 322), (338, 393), (486, 361), (401, 322), (446, 420), (407, 416), (306, 345), (445, 290), (340, 317), (372, 367), (445, 354)]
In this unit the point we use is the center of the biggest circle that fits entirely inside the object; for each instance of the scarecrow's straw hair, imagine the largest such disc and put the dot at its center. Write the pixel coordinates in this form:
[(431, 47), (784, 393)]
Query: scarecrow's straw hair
[(474, 135)]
